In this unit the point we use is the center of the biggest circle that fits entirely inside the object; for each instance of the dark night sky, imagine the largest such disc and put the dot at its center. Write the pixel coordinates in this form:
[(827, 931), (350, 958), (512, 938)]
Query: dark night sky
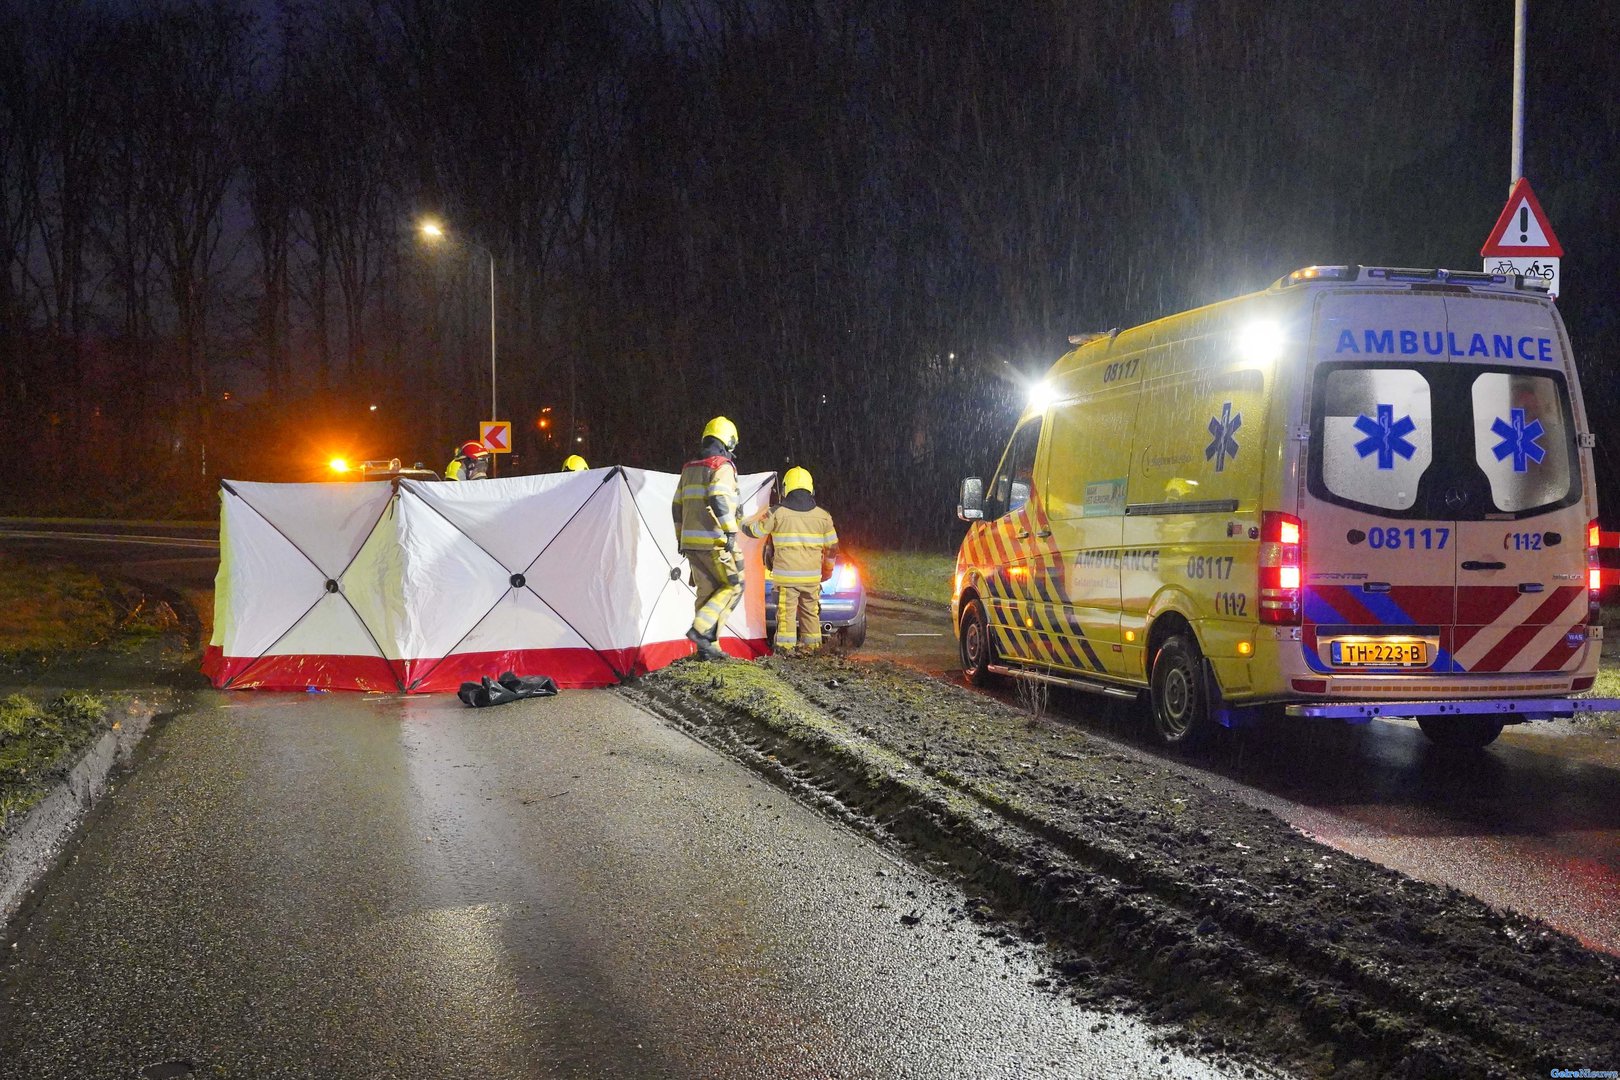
[(836, 222)]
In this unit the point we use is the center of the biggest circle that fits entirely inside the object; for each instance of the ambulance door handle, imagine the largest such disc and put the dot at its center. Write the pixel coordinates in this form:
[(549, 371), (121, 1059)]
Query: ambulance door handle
[(1023, 534), (1475, 564), (1043, 534)]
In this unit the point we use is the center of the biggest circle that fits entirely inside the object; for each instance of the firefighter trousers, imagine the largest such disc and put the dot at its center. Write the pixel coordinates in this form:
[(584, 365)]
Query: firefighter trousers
[(718, 581), (798, 616)]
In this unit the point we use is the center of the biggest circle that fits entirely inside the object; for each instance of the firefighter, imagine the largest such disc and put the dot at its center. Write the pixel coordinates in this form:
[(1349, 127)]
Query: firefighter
[(574, 463), (471, 463), (705, 510), (804, 545)]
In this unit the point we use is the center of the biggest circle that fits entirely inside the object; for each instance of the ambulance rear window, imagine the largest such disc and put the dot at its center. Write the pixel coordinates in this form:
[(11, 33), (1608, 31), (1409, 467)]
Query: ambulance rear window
[(1521, 439), (1380, 422), (1439, 441)]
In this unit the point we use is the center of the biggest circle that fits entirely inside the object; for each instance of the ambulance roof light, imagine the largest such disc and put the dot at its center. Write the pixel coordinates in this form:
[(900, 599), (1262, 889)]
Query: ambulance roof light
[(1307, 274)]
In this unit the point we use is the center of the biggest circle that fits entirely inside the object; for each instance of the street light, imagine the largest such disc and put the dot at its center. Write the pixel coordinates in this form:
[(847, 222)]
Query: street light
[(433, 232)]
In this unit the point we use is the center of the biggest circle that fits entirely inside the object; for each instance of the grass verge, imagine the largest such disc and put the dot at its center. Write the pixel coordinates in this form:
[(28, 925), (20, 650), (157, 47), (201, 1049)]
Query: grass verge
[(921, 576), (38, 742), (1607, 685), (51, 608)]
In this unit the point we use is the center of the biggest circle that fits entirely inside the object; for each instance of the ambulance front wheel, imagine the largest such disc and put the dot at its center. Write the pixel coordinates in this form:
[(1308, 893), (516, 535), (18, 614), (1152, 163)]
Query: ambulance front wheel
[(1178, 700), (1461, 732), (973, 639)]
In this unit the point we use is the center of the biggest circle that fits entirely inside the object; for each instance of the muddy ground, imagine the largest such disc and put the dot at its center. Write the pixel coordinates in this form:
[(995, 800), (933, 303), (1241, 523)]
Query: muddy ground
[(1156, 893)]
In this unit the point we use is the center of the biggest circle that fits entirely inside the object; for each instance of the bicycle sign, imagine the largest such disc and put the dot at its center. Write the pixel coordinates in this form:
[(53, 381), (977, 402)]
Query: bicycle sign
[(1543, 269)]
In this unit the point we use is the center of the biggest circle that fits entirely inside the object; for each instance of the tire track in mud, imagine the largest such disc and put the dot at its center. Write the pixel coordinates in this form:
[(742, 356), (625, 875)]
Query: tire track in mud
[(1202, 910)]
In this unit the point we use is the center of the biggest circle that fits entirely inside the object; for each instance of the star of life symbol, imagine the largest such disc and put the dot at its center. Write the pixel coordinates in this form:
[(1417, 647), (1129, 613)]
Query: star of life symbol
[(1518, 439), (1223, 431), (1386, 436)]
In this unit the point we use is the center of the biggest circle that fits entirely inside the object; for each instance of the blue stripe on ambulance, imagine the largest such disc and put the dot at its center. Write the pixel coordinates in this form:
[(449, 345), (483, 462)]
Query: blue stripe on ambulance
[(1056, 622), (1385, 609), (1073, 626), (1048, 613)]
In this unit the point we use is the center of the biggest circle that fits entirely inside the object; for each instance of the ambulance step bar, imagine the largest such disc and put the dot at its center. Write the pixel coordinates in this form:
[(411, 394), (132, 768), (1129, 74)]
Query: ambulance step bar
[(1088, 685), (1524, 708)]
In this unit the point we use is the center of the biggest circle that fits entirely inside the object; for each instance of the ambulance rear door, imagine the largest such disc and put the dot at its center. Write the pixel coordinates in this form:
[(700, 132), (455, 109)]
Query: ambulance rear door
[(1516, 488), (1379, 568)]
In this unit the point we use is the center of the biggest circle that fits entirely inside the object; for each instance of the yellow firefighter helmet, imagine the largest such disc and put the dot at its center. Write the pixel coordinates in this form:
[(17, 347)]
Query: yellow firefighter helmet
[(574, 463), (722, 429), (798, 479)]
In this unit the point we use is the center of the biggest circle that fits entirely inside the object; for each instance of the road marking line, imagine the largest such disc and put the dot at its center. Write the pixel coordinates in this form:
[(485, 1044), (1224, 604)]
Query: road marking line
[(108, 538)]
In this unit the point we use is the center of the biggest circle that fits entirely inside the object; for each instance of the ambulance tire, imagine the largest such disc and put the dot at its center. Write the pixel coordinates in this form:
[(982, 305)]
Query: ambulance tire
[(1177, 700), (975, 646), (1461, 732)]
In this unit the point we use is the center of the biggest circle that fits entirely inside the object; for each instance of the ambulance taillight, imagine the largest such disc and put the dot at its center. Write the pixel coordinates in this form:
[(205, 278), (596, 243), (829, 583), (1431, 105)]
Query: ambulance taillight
[(1282, 539), (1594, 574)]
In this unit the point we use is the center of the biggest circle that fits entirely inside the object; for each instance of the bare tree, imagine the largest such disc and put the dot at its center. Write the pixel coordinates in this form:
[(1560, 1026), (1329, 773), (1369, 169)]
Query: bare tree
[(196, 67)]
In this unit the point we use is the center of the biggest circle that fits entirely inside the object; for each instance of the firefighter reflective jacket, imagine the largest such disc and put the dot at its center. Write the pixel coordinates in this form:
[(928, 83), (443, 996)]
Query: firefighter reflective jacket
[(804, 542), (467, 468), (706, 502)]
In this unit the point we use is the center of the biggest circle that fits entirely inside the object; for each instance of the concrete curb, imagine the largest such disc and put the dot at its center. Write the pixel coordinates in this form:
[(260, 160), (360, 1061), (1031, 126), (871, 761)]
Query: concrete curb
[(35, 842)]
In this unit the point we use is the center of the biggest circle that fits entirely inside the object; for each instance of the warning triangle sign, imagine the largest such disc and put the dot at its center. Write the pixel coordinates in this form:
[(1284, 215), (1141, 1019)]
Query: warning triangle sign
[(1523, 228)]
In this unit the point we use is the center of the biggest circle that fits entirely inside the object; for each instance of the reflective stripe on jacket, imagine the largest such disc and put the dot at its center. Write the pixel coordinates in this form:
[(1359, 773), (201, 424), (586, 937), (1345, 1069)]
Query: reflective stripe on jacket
[(706, 502), (804, 542)]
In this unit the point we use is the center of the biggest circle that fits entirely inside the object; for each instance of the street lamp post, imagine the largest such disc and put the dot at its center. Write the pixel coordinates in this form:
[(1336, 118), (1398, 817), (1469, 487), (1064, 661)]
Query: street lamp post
[(433, 232)]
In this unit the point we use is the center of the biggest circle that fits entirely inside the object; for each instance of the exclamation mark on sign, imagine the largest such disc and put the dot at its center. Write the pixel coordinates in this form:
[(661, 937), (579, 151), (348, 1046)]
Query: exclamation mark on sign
[(1524, 224)]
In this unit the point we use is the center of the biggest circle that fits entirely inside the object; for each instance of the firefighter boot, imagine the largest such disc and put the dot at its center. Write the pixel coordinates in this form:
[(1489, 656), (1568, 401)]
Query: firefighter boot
[(706, 649)]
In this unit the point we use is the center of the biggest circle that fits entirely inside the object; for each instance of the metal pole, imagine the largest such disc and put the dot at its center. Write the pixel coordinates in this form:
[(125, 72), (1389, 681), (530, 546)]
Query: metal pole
[(494, 412), (1518, 91)]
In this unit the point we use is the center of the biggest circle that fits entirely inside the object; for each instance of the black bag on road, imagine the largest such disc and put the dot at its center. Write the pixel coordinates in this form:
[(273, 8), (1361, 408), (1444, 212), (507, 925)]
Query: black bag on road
[(509, 687)]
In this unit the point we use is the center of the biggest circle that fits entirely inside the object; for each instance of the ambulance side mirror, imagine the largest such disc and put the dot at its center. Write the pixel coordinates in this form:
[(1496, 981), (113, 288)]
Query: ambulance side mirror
[(970, 504)]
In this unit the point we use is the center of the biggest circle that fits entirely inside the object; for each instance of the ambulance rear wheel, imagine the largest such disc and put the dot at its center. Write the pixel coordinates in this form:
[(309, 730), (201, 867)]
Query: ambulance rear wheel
[(1178, 701), (975, 646), (1461, 732)]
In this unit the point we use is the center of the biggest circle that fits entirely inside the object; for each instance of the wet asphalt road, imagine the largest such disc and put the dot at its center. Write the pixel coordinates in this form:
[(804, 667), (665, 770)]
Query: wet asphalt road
[(181, 557), (1532, 823), (380, 886), (337, 911)]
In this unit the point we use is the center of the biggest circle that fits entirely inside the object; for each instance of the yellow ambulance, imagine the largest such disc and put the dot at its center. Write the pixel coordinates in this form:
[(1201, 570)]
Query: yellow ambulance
[(1362, 492)]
